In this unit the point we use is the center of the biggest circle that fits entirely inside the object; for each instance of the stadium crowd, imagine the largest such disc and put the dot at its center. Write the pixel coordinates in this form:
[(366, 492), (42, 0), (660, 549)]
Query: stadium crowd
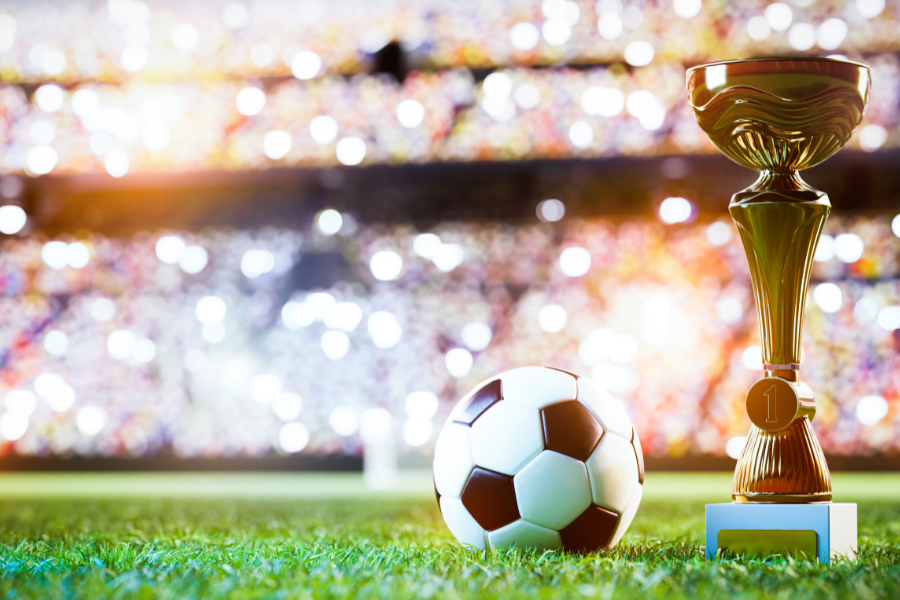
[(133, 39), (126, 86), (369, 119), (201, 343)]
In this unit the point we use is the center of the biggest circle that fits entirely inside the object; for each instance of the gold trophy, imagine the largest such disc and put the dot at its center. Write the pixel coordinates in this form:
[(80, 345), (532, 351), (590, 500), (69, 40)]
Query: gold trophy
[(778, 116)]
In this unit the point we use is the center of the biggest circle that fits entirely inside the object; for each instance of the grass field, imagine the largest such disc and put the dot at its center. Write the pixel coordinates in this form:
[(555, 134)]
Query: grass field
[(326, 536)]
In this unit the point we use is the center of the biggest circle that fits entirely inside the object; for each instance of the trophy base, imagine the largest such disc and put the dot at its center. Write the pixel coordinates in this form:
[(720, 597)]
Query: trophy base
[(823, 531)]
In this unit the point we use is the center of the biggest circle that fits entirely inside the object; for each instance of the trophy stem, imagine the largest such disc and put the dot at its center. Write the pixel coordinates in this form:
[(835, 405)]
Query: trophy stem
[(780, 219)]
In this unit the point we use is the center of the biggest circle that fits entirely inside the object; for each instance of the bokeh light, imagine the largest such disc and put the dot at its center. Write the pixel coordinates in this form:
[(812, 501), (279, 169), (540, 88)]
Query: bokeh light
[(293, 437), (386, 265), (551, 211), (575, 261), (871, 409), (459, 362), (12, 219), (552, 318), (329, 221)]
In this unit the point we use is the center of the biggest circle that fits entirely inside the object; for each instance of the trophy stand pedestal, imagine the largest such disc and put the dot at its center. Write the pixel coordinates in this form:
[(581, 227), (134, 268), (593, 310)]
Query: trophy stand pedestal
[(826, 531)]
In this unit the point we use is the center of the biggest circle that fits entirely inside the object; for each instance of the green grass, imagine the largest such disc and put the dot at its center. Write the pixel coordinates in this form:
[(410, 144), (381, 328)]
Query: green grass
[(326, 536)]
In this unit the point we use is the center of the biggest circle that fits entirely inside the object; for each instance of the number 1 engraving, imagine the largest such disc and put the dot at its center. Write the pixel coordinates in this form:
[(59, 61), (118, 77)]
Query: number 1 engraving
[(770, 396)]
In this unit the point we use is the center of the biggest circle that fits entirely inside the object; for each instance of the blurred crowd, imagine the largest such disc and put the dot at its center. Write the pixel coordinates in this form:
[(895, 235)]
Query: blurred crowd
[(202, 343), (151, 41), (126, 86), (445, 116)]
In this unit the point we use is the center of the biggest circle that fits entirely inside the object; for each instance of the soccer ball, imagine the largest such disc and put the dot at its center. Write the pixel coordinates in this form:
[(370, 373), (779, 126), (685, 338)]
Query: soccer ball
[(538, 458)]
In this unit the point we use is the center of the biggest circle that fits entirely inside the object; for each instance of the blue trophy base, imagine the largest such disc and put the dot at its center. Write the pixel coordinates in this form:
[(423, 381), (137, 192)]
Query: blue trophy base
[(825, 531)]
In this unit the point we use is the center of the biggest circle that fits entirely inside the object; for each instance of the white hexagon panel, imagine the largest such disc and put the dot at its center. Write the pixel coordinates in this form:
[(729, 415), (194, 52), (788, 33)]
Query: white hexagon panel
[(627, 516), (604, 407), (453, 460), (552, 490), (506, 436), (462, 524), (523, 534), (538, 386), (613, 471)]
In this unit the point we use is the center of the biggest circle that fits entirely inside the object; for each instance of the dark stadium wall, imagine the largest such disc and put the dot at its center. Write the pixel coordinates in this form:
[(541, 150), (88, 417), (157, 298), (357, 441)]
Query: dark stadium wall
[(427, 194)]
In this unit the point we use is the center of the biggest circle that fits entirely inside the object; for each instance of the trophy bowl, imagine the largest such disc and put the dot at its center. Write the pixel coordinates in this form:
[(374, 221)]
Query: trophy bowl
[(779, 114)]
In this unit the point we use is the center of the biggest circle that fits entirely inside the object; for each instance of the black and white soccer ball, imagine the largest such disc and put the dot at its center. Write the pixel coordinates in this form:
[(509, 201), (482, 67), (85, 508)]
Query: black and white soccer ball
[(538, 458)]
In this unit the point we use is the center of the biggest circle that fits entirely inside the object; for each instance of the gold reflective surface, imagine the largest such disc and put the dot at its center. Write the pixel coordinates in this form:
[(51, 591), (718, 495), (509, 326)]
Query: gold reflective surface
[(780, 241), (783, 466), (780, 115)]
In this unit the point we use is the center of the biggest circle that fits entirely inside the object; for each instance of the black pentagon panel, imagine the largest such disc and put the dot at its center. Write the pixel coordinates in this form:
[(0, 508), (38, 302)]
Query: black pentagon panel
[(593, 529), (437, 494), (562, 371), (571, 429), (483, 398), (638, 453), (490, 498)]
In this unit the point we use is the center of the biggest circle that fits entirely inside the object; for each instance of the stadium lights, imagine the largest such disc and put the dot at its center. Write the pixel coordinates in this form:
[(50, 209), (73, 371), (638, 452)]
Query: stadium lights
[(459, 362), (323, 129), (335, 344), (91, 420), (262, 55), (752, 358), (872, 137), (735, 446), (20, 402), (293, 437), (329, 221), (211, 309), (828, 297), (550, 211), (386, 265), (581, 134), (610, 26), (287, 406), (306, 65), (384, 329), (675, 210), (264, 388), (213, 333), (871, 409), (779, 16), (575, 261), (552, 318), (7, 32), (56, 342), (719, 233), (250, 101), (116, 162), (870, 8), (103, 309), (476, 336), (524, 36), (865, 309), (350, 151), (639, 53), (40, 160), (848, 247), (825, 249), (527, 96), (12, 219)]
